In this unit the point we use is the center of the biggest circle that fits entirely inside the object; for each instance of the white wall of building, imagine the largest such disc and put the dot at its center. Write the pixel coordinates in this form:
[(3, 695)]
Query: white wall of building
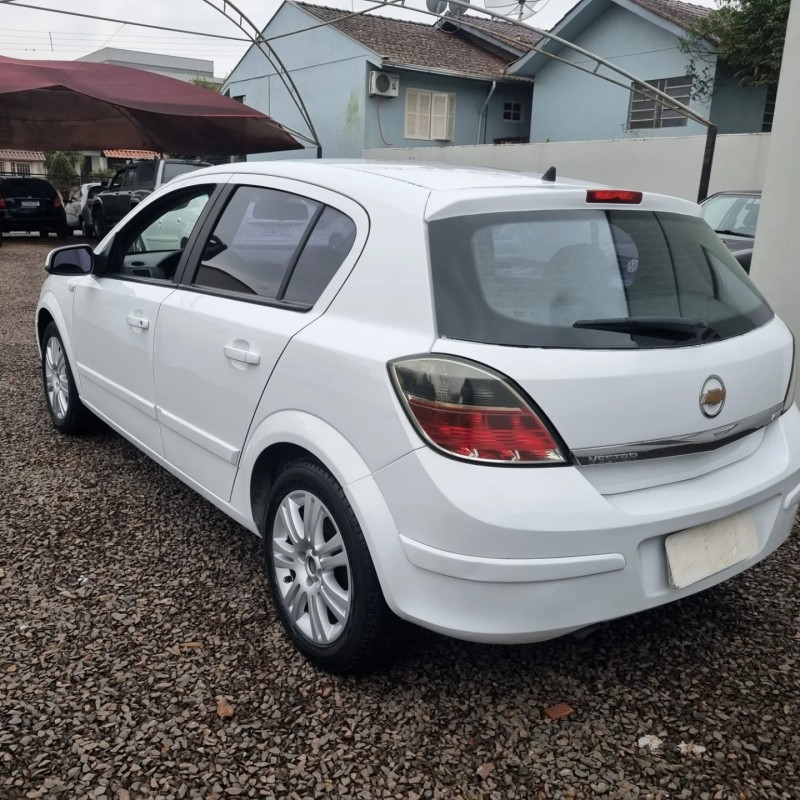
[(668, 165), (776, 259)]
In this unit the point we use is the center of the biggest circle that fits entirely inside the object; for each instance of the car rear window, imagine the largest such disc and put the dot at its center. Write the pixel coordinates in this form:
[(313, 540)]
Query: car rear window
[(26, 187), (527, 278)]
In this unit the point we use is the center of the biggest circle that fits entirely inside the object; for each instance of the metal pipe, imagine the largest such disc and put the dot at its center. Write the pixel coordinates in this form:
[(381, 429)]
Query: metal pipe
[(708, 161), (483, 111)]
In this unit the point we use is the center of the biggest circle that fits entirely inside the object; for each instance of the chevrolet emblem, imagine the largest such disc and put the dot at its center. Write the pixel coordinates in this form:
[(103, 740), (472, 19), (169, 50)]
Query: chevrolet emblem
[(713, 397)]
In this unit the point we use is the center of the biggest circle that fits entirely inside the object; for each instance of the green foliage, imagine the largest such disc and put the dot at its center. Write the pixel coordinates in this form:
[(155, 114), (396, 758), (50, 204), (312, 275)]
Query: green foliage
[(205, 83), (62, 170), (747, 35)]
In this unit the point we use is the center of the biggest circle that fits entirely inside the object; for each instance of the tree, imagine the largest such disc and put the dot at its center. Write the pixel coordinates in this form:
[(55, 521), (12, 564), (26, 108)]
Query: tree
[(62, 170), (747, 35), (205, 83)]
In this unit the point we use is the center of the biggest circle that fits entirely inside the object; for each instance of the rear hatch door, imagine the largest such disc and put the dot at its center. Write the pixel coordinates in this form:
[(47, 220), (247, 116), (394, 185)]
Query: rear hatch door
[(630, 326)]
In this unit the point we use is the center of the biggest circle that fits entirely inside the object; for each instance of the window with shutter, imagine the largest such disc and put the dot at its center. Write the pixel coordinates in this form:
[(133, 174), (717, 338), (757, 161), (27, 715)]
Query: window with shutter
[(429, 115)]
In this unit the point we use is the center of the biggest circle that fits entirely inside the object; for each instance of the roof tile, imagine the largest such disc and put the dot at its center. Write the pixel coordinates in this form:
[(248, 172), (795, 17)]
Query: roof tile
[(21, 155), (414, 44)]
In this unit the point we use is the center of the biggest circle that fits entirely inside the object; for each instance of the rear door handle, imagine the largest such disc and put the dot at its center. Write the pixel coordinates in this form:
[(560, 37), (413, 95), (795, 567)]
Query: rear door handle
[(239, 354), (138, 322)]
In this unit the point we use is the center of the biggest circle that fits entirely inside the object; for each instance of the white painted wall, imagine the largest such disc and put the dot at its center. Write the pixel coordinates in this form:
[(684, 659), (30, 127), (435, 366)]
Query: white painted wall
[(775, 258), (668, 165)]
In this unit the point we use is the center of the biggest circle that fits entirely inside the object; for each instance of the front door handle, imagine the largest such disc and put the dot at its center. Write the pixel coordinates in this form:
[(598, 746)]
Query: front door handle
[(138, 322), (240, 354)]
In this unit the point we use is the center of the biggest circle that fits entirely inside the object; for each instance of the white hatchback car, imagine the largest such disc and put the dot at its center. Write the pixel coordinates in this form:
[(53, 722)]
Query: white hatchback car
[(499, 407)]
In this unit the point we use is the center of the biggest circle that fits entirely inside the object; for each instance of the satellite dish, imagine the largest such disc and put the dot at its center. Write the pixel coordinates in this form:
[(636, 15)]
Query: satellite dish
[(516, 9), (436, 6), (456, 9)]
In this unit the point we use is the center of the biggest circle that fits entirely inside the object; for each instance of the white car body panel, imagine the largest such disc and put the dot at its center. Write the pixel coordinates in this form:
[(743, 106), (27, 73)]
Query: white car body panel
[(114, 352), (487, 553)]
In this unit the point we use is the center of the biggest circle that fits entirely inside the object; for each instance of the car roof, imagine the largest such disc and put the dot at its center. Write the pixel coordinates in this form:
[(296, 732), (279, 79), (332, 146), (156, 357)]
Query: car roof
[(431, 177), (452, 186)]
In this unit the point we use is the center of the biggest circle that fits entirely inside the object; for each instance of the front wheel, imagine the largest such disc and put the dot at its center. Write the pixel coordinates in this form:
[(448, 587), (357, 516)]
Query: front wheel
[(100, 223), (67, 412), (321, 575)]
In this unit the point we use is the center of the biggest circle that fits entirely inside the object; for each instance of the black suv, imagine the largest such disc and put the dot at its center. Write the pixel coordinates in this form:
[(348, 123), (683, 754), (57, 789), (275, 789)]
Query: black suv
[(131, 185), (31, 204)]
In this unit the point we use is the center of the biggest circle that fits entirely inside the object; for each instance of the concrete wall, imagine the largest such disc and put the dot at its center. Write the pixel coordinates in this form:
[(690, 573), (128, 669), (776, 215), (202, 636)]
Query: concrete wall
[(774, 267), (571, 105), (470, 97), (669, 165), (330, 72)]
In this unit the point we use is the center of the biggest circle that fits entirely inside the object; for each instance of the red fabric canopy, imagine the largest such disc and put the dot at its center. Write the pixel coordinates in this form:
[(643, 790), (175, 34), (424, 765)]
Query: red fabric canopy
[(80, 105)]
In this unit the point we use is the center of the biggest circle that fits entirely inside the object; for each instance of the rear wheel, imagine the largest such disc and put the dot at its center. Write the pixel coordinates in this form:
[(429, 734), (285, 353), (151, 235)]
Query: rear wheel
[(65, 232), (44, 234), (321, 575), (67, 412)]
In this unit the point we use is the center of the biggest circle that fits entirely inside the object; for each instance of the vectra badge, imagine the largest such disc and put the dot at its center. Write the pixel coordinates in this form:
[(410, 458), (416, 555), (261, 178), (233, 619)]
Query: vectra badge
[(712, 396)]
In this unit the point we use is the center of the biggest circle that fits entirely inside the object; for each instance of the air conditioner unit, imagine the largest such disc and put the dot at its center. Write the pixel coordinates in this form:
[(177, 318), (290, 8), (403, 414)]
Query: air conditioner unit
[(383, 84)]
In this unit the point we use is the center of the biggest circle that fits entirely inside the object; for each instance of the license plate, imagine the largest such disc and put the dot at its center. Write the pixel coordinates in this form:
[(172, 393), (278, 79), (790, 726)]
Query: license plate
[(698, 552), (29, 203), (275, 230)]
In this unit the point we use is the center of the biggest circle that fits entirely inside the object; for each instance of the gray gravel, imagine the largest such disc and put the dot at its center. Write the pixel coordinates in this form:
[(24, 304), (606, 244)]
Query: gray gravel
[(129, 606)]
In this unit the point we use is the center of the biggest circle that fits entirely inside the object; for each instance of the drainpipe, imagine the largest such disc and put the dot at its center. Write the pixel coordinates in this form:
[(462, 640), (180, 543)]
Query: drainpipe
[(483, 111)]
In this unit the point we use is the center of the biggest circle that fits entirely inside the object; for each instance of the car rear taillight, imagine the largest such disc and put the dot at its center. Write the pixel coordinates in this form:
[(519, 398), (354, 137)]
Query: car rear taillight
[(612, 196), (2, 202), (57, 202), (472, 412)]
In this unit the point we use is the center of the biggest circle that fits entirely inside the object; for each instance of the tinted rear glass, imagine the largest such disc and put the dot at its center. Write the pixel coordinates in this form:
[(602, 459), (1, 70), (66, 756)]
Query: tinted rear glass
[(173, 170), (26, 187), (526, 278)]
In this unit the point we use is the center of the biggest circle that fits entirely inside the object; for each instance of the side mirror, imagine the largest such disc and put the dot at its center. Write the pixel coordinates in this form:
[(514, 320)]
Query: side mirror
[(75, 259)]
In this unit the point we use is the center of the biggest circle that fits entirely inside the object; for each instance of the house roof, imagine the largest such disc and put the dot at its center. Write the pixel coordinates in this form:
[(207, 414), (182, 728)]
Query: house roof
[(415, 44), (135, 154), (21, 155), (520, 38), (682, 14)]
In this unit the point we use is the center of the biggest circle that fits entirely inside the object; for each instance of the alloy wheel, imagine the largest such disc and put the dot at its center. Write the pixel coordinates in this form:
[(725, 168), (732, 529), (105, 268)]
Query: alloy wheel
[(55, 372), (312, 568)]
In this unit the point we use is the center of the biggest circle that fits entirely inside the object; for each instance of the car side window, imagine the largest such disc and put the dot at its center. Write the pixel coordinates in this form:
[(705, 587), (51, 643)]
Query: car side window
[(326, 249), (116, 181), (255, 242), (127, 177), (152, 243), (145, 173)]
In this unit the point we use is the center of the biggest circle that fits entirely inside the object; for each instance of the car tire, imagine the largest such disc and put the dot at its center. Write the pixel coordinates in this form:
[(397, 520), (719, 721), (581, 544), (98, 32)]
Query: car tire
[(64, 233), (323, 582), (86, 228), (44, 234), (100, 224), (67, 412)]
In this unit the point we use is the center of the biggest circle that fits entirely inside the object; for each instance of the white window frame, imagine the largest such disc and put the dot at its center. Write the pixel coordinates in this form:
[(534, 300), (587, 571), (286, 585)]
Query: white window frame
[(645, 113), (430, 116), (21, 168)]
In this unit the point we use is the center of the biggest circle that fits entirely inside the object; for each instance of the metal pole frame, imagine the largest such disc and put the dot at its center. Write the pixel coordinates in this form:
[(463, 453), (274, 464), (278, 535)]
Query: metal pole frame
[(252, 33)]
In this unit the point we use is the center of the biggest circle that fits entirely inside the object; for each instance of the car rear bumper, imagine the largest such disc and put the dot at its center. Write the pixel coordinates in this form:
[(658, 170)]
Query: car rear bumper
[(520, 555), (39, 223)]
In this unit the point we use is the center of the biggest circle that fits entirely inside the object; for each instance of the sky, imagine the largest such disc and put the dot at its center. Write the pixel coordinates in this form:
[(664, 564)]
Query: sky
[(29, 33)]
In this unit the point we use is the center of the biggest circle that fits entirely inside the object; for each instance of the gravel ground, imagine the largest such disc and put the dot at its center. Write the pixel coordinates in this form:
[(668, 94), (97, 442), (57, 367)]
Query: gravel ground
[(129, 606)]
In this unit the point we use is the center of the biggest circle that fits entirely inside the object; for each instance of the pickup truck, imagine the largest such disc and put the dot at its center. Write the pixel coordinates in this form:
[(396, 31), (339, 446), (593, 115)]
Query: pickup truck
[(130, 185)]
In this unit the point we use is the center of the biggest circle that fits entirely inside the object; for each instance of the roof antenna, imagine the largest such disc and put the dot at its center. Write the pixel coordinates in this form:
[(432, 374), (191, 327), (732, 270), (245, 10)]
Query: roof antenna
[(550, 175)]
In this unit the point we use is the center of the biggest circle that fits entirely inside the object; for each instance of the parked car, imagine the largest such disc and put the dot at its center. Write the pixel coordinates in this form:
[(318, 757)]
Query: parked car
[(734, 216), (78, 209), (412, 434), (31, 204), (131, 185)]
